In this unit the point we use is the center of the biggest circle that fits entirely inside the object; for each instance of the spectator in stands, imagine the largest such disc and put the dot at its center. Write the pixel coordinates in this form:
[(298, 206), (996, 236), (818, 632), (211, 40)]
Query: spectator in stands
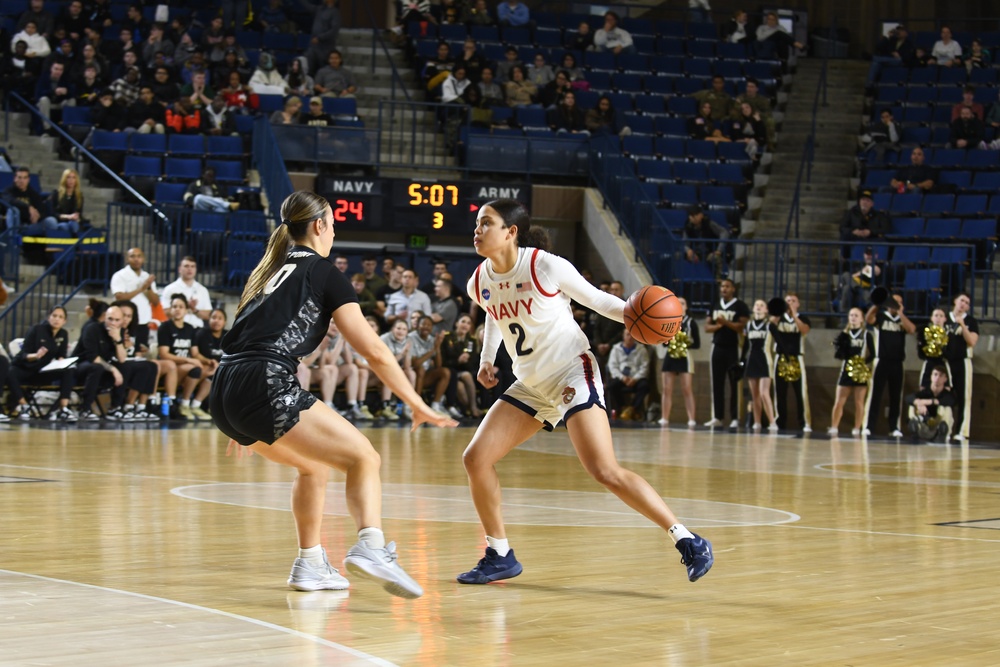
[(411, 11), (88, 88), (702, 127), (64, 53), (126, 89), (66, 203), (217, 120), (114, 51), (135, 22), (967, 130), (566, 117), (341, 262), (297, 81), (98, 14), (198, 300), (273, 18), (602, 119), (444, 308), (184, 50), (734, 30), (366, 298), (978, 57), (398, 342), (38, 46), (165, 90), (605, 333), (963, 334), (40, 17), (90, 58), (175, 339), (726, 323), (968, 102), (237, 96), (107, 115), (856, 287), (394, 284), (519, 90), (552, 93), (135, 284), (930, 409), (372, 281), (699, 11), (917, 177), (722, 103), (455, 85), (628, 368), (146, 115), (863, 222), (230, 64), (156, 43), (213, 34), (460, 354), (54, 92), (198, 92), (477, 13), (472, 59), (99, 351), (325, 28), (436, 69), (513, 13), (751, 130), (45, 342), (195, 64), (316, 116), (582, 40), (128, 60), (73, 20), (539, 72), (401, 304), (773, 37), (183, 118), (993, 117), (291, 114), (760, 104), (450, 13), (18, 72), (426, 358), (504, 67), (266, 79), (492, 92), (26, 207), (573, 73), (704, 239), (228, 43), (203, 194), (335, 80), (946, 52), (883, 134), (613, 38), (895, 49)]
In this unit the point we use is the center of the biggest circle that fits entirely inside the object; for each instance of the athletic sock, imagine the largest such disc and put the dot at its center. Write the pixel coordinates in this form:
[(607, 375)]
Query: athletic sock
[(195, 404), (184, 402), (501, 546), (374, 538), (678, 532), (312, 555), (141, 407)]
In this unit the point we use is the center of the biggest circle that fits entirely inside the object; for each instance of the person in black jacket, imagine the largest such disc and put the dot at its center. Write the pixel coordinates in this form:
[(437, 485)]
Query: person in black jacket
[(146, 115), (930, 408), (967, 130), (44, 343), (726, 322), (100, 344), (890, 326), (704, 239), (107, 115), (862, 222), (567, 118), (893, 50)]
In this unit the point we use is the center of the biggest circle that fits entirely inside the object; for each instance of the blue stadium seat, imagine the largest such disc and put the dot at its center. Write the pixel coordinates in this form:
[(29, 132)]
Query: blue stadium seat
[(916, 115), (639, 124), (940, 136), (248, 224), (104, 140), (950, 95), (600, 60), (76, 116), (952, 76), (667, 45), (186, 144), (705, 151), (627, 83), (701, 49), (644, 44), (453, 32), (893, 76), (655, 170), (279, 41), (659, 85), (242, 257), (227, 171), (340, 106), (598, 79), (920, 95), (485, 33), (691, 172), (169, 193), (730, 70), (948, 157), (680, 195), (667, 65), (916, 135), (983, 76), (622, 102), (924, 75), (942, 228), (671, 127), (910, 255), (182, 169), (638, 144), (905, 203), (143, 166), (733, 153), (971, 206), (730, 51), (682, 106), (530, 117), (224, 146), (147, 144), (634, 63), (249, 39), (949, 255), (671, 29), (983, 228), (877, 178), (726, 174), (672, 148), (718, 196), (515, 36), (977, 159), (649, 104), (701, 67), (270, 103), (674, 218), (906, 228), (858, 252), (244, 124), (937, 204)]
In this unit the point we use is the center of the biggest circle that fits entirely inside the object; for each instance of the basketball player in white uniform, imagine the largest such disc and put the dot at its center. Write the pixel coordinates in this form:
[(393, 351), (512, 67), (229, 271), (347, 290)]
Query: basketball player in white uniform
[(526, 294)]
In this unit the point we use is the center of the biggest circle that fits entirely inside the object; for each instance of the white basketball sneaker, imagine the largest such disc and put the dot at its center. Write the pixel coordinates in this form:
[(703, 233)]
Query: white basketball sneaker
[(307, 577), (380, 566)]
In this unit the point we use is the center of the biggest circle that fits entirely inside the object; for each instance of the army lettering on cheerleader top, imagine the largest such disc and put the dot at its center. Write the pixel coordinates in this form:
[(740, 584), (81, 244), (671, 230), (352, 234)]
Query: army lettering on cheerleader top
[(730, 311), (292, 314), (787, 337), (957, 348), (889, 336)]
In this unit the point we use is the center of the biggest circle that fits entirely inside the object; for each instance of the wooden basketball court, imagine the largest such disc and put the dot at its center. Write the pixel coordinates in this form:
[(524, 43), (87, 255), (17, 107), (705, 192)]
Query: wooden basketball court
[(151, 547)]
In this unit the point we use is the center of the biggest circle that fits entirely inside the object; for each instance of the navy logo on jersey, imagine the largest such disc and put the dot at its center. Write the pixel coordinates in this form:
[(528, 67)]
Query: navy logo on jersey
[(486, 295), (568, 394)]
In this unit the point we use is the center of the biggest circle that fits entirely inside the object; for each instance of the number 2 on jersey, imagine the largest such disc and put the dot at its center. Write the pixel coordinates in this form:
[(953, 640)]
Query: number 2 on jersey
[(278, 278), (519, 348)]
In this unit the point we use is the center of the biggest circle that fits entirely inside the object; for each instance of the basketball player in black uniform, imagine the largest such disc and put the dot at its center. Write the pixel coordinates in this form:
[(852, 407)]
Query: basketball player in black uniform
[(963, 334), (726, 322), (890, 326), (256, 400), (789, 332)]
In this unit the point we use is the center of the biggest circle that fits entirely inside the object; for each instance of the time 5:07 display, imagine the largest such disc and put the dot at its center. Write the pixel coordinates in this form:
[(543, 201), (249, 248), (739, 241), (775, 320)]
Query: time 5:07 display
[(434, 194)]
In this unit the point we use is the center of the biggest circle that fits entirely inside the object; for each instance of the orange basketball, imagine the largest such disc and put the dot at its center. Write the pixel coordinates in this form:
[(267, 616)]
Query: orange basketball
[(653, 315)]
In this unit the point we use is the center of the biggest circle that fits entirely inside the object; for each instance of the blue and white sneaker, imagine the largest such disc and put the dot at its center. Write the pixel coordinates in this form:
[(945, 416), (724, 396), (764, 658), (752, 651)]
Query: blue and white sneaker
[(492, 567), (696, 554)]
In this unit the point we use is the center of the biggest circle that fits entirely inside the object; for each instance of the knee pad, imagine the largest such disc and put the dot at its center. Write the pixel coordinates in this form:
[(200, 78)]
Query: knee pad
[(195, 372)]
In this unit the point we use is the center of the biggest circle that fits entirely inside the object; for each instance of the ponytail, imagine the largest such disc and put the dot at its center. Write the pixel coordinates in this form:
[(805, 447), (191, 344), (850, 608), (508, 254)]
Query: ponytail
[(297, 212)]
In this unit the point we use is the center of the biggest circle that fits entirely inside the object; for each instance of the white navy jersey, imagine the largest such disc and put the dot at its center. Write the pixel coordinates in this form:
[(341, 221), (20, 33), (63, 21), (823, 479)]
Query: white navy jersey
[(290, 317), (180, 339), (529, 309)]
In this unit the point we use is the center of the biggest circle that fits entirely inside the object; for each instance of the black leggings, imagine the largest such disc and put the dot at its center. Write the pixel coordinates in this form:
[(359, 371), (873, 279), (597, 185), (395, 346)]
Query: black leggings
[(724, 358), (21, 376), (139, 375), (887, 372)]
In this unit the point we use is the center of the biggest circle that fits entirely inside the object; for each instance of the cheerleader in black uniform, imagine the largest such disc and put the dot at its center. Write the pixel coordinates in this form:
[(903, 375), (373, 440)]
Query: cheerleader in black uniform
[(939, 318), (757, 338), (682, 368), (853, 341)]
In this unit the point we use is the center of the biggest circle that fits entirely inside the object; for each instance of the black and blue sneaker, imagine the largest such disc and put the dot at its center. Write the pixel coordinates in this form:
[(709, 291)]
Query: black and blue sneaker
[(491, 567), (696, 554)]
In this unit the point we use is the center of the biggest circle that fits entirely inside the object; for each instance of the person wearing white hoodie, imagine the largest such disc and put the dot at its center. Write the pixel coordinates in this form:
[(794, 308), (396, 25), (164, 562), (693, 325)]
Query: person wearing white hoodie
[(266, 80), (38, 46)]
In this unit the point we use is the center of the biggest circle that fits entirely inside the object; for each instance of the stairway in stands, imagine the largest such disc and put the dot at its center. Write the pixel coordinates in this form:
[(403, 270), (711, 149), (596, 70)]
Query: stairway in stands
[(822, 202)]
